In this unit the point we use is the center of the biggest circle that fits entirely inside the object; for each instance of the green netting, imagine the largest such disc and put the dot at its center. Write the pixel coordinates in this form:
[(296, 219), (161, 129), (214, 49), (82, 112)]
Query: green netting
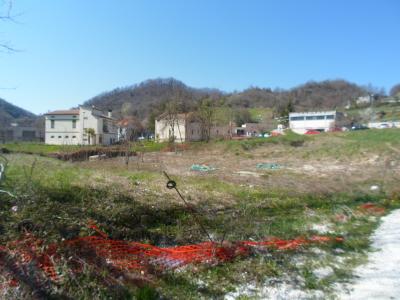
[(202, 168), (268, 166)]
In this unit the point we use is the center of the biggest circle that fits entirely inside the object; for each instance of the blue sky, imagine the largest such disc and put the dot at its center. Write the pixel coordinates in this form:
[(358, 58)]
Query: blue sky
[(73, 50)]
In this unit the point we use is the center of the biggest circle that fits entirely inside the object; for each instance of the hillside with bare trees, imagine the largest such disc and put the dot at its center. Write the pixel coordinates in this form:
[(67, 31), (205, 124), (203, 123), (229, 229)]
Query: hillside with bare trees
[(149, 97)]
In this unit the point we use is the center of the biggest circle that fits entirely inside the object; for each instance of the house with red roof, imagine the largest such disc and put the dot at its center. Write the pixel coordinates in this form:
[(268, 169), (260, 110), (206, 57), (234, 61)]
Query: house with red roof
[(81, 126)]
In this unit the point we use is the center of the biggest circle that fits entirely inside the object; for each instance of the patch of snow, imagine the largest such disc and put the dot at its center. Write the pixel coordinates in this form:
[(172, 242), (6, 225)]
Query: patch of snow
[(276, 291), (380, 277), (322, 228), (339, 251), (317, 251), (323, 272)]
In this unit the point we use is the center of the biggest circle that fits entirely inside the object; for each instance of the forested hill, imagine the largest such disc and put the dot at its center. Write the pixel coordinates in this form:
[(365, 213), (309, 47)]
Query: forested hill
[(10, 113), (141, 99), (148, 96)]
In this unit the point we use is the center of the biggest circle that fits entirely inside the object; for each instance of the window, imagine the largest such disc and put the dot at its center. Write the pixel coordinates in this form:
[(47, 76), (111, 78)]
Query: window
[(52, 137), (330, 117), (59, 136), (297, 119), (192, 131), (74, 136), (73, 123), (52, 123), (320, 117), (105, 126), (311, 118), (66, 136)]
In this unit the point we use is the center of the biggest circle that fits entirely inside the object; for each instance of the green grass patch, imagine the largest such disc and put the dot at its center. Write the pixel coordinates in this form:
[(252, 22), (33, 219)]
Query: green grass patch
[(58, 199)]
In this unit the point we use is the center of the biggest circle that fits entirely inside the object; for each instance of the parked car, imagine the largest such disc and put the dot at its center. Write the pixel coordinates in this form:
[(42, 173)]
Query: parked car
[(312, 132), (358, 127), (383, 125)]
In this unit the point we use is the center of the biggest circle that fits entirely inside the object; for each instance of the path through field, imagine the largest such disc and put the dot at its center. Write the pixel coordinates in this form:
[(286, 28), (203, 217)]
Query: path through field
[(380, 277)]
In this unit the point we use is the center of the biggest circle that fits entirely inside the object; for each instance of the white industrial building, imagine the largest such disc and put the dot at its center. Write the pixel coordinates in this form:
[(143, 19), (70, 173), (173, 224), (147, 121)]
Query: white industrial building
[(301, 122), (82, 126)]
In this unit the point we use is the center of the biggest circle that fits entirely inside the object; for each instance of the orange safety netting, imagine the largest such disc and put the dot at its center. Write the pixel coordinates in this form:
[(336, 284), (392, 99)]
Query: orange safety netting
[(372, 208), (132, 256)]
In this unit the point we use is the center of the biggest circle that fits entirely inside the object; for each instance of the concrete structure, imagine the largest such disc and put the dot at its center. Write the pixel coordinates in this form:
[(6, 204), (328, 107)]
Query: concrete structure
[(16, 132), (82, 126), (185, 127), (304, 121)]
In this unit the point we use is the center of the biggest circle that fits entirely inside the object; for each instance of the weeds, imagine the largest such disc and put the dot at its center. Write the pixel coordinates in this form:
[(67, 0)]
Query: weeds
[(57, 199)]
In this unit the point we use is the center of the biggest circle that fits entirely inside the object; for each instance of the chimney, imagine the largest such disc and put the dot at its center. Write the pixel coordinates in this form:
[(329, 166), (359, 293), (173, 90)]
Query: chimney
[(110, 113)]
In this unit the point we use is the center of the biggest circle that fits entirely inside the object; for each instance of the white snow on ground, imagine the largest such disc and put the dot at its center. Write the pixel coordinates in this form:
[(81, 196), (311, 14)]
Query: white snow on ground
[(278, 291), (322, 228), (380, 277)]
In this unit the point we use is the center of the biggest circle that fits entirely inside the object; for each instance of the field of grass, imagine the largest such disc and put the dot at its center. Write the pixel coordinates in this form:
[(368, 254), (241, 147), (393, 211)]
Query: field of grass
[(58, 199), (37, 148)]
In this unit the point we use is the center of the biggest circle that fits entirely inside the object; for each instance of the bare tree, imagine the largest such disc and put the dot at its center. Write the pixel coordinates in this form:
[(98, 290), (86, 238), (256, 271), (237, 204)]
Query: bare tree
[(205, 114), (395, 90), (6, 16), (132, 128), (172, 119)]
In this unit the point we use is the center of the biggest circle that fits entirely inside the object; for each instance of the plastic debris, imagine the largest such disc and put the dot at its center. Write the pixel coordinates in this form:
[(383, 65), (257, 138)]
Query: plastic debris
[(202, 168), (268, 166), (372, 208)]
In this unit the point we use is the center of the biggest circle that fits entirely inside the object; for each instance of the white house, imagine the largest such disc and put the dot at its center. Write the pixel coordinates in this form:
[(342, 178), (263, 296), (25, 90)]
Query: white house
[(82, 126), (303, 121), (185, 127), (364, 100)]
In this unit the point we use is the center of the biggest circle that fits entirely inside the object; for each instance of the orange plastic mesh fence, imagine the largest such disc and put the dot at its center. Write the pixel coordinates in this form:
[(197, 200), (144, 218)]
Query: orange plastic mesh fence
[(131, 256)]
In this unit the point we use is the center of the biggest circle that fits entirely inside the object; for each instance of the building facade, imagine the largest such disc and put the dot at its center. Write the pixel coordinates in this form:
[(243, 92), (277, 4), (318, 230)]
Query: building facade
[(82, 126), (185, 127), (303, 121), (16, 132)]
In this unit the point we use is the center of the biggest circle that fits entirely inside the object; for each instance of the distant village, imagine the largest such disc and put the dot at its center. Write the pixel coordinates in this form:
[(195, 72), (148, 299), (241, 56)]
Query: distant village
[(89, 125)]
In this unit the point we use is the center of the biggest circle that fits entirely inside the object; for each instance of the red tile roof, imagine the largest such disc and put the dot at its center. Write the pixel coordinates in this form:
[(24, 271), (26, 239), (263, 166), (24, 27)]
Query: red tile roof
[(64, 112)]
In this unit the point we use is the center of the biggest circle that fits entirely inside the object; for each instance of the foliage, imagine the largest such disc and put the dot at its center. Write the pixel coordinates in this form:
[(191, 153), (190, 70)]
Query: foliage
[(243, 116), (149, 97), (395, 90)]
